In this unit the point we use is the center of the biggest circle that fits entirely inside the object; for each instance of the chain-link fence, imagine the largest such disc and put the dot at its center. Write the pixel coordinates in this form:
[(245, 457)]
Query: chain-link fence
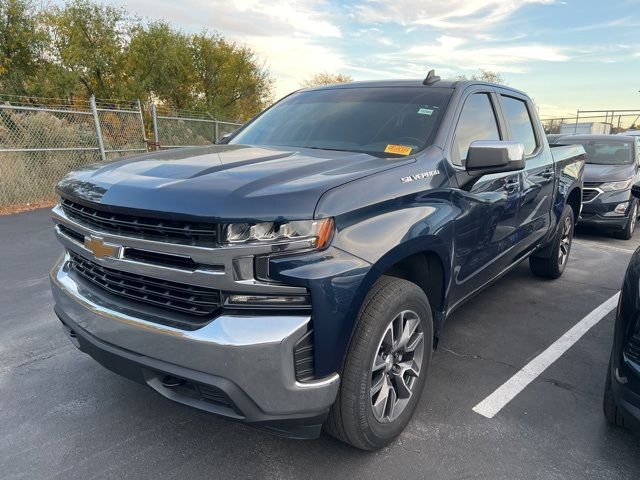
[(614, 121), (43, 139), (121, 128), (173, 129), (555, 125), (594, 122)]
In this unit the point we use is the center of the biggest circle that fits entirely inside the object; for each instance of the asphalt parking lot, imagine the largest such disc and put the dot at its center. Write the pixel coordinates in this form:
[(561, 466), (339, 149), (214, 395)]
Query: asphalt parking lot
[(63, 416)]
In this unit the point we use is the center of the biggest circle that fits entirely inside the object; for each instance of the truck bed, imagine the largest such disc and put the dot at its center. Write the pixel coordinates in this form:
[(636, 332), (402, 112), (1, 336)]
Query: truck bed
[(562, 153)]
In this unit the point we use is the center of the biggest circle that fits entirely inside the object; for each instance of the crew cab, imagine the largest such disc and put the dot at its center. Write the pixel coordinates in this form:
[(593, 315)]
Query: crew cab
[(613, 166), (300, 274)]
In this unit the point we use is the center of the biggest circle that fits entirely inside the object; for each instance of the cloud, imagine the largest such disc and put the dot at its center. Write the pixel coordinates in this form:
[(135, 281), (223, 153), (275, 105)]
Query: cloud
[(301, 16), (615, 23), (245, 17), (294, 59), (368, 38), (604, 53), (443, 14), (457, 51), (293, 37)]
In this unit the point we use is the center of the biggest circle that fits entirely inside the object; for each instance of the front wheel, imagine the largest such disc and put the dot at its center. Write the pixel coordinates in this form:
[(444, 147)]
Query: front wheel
[(553, 265), (385, 369), (630, 226)]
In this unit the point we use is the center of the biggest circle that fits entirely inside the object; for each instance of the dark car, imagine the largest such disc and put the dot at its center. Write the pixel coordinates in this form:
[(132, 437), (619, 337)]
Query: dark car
[(612, 167), (622, 389), (300, 273)]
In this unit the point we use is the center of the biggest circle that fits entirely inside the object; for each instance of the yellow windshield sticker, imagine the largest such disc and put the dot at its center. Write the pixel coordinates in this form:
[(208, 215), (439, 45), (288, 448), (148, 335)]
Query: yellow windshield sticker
[(399, 149)]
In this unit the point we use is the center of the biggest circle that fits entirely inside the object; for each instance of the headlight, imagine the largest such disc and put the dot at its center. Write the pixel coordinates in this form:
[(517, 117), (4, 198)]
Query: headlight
[(613, 186), (317, 232)]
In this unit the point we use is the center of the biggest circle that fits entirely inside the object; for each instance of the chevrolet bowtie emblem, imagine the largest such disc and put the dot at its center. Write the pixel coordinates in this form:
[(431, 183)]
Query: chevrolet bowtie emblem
[(101, 249)]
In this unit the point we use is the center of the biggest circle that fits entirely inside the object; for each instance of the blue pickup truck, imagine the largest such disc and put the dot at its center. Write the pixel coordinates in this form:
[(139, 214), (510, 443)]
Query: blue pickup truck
[(299, 275)]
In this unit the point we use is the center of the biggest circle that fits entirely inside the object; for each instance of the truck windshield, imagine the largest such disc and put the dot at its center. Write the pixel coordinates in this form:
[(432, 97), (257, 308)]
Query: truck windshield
[(385, 122), (604, 152)]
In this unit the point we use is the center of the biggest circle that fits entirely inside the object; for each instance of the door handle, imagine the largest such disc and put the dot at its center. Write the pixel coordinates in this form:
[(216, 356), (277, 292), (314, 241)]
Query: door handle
[(511, 185), (548, 173)]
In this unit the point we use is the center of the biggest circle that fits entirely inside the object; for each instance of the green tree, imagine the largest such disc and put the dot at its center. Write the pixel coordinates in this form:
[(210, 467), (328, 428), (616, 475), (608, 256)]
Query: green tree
[(324, 78), (85, 48), (159, 64), (21, 45), (88, 43), (229, 79)]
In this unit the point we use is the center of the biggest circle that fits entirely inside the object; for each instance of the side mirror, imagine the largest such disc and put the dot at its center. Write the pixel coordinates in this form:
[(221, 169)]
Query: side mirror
[(494, 156), (635, 190)]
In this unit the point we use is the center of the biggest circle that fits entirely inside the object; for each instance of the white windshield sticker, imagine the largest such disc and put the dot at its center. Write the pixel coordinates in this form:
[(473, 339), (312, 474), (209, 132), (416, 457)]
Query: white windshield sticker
[(425, 111)]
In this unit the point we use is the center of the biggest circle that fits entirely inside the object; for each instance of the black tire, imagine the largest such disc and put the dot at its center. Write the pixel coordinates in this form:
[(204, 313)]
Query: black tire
[(553, 265), (352, 418), (611, 411), (630, 226)]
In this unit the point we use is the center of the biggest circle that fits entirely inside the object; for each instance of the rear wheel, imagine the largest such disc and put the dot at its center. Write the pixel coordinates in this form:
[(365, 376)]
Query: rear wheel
[(386, 365), (553, 265)]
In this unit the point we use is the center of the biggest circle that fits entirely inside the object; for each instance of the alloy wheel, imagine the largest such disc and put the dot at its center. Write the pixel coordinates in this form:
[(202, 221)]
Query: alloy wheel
[(565, 242), (396, 366)]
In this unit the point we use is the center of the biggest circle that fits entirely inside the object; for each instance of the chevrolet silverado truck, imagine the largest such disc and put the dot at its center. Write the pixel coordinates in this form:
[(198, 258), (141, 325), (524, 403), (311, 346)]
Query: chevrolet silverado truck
[(299, 274)]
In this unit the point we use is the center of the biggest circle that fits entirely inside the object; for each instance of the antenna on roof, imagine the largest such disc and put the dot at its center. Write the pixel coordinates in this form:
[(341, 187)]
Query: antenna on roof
[(431, 78)]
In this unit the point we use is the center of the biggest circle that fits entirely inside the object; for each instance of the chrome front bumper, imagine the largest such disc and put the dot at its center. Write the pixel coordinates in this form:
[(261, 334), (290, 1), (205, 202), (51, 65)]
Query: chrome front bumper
[(248, 355)]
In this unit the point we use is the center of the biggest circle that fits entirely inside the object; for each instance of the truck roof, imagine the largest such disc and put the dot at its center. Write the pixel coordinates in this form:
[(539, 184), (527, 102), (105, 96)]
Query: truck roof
[(451, 84)]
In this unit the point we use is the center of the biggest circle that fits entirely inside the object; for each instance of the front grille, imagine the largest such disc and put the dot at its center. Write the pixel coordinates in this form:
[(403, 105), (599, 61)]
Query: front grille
[(78, 237), (633, 348), (150, 257), (180, 297), (173, 231), (589, 194), (161, 259)]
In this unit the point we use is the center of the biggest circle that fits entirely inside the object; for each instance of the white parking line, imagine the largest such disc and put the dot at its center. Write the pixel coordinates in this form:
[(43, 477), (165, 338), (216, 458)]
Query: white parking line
[(495, 402), (602, 246)]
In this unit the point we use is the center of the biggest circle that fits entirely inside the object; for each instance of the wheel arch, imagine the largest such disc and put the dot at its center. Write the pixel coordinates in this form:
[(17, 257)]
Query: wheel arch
[(426, 270), (408, 261)]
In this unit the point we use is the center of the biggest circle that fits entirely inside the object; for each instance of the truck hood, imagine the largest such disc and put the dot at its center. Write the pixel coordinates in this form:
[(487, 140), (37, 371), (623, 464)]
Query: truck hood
[(594, 173), (234, 182)]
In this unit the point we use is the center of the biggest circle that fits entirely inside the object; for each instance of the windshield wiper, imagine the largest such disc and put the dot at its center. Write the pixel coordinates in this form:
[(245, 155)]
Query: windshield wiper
[(331, 149), (374, 154)]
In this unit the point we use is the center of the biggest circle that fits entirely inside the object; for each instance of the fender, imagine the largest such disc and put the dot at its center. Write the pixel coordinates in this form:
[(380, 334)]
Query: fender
[(569, 174), (340, 280)]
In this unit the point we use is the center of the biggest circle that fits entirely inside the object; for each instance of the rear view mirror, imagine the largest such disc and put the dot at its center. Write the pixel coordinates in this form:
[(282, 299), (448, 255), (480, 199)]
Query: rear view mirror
[(494, 156), (635, 190)]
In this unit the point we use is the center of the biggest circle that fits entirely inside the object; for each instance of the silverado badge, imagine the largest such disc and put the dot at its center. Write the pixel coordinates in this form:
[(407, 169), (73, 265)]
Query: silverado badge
[(420, 176)]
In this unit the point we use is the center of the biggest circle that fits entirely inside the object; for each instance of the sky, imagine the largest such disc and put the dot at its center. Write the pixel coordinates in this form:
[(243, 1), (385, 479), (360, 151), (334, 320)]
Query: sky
[(567, 55)]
